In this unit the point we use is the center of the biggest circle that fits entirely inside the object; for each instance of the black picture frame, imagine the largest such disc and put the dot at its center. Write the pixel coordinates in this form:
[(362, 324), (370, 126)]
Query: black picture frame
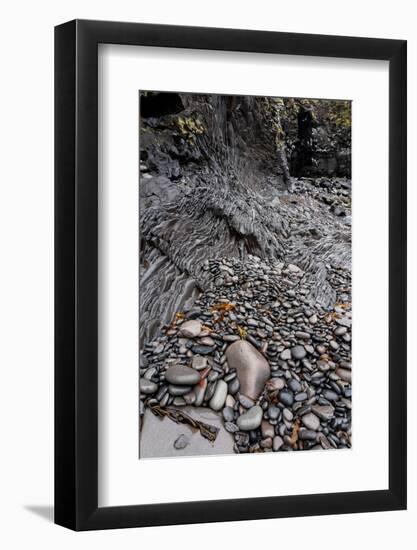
[(76, 271)]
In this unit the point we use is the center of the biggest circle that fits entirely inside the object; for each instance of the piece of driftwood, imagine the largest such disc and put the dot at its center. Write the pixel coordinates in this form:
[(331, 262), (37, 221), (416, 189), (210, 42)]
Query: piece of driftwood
[(176, 415)]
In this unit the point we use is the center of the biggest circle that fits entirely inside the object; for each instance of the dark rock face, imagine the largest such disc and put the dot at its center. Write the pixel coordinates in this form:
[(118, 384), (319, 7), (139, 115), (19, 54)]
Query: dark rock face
[(227, 134), (318, 137)]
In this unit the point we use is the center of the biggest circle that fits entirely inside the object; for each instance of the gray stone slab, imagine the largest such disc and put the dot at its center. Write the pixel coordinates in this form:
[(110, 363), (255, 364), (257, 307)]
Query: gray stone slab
[(157, 436)]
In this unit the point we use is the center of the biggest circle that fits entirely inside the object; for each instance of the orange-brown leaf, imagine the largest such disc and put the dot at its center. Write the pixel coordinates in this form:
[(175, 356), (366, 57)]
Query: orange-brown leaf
[(294, 434), (222, 307)]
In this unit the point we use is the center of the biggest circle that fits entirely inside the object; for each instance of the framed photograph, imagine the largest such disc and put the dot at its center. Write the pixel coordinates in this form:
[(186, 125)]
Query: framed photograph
[(230, 253)]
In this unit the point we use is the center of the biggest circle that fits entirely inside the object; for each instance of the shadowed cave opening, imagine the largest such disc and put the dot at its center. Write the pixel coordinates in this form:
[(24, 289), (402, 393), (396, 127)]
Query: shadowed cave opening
[(154, 105)]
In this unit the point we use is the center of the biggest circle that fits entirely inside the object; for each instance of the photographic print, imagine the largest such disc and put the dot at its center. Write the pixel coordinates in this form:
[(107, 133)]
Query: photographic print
[(245, 274)]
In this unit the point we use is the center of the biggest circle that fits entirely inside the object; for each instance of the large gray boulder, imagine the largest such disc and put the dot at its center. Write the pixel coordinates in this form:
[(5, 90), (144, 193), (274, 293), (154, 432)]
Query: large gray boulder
[(251, 366)]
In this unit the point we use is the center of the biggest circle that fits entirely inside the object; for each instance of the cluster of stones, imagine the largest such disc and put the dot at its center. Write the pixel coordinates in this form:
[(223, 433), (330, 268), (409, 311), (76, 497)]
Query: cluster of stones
[(255, 350), (334, 192)]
